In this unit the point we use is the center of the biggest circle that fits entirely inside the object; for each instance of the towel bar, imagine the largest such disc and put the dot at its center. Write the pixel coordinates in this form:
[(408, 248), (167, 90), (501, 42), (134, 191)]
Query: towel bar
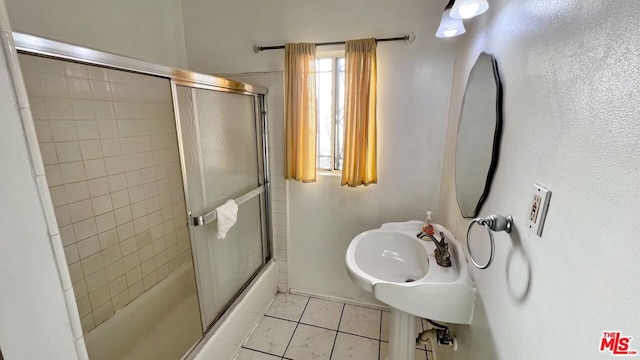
[(210, 216)]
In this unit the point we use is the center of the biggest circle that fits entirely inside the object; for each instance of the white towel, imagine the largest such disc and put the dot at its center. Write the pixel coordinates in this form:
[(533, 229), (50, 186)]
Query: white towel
[(226, 215)]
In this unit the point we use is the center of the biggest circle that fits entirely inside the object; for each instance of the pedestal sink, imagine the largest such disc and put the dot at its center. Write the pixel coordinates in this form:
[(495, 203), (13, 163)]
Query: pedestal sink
[(401, 271)]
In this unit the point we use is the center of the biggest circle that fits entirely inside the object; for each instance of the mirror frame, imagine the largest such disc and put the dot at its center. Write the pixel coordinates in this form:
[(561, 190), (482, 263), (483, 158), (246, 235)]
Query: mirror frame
[(497, 135)]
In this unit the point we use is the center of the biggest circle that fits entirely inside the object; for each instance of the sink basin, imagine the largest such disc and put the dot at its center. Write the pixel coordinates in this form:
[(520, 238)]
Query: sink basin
[(401, 271)]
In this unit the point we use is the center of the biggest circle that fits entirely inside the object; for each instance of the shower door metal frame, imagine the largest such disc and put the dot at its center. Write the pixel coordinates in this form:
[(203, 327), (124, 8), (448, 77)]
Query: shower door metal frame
[(40, 46), (263, 176)]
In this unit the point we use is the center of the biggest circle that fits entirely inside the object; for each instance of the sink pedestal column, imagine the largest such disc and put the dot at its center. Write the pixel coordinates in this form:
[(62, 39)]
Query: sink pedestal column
[(402, 336)]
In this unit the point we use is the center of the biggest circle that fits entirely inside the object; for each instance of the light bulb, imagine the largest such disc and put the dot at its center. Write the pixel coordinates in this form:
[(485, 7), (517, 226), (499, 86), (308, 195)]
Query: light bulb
[(449, 26), (469, 10), (465, 9)]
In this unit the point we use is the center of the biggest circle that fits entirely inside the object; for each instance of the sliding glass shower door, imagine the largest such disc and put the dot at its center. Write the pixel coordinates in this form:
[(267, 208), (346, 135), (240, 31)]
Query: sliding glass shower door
[(223, 156)]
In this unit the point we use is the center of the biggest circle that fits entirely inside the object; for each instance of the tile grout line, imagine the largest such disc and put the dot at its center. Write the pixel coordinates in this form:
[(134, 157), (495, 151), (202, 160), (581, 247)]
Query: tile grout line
[(324, 328), (337, 332), (296, 328), (380, 338)]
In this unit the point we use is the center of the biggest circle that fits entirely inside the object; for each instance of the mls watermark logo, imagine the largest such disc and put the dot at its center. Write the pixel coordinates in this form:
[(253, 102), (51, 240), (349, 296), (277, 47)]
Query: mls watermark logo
[(618, 345)]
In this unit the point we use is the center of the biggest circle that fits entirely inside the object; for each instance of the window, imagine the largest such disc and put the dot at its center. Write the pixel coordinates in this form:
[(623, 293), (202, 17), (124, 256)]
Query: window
[(330, 83)]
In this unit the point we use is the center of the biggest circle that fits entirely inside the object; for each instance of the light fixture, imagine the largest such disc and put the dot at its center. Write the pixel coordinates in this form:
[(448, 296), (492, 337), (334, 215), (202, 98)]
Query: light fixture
[(465, 9), (449, 26)]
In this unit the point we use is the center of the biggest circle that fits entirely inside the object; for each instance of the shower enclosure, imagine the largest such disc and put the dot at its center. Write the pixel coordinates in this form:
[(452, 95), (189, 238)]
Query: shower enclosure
[(138, 156)]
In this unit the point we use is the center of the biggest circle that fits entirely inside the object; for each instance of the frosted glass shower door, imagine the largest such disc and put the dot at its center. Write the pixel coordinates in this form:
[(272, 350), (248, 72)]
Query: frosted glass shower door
[(222, 150)]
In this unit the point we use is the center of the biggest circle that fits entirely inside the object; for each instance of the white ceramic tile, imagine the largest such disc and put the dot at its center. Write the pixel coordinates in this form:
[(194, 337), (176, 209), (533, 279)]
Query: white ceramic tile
[(73, 172), (360, 321), (87, 130), (76, 70), (105, 222), (150, 280), (287, 306), (115, 270), (146, 253), (68, 151), (134, 276), (271, 336), (67, 235), (126, 231), (88, 247), (94, 168), (101, 294), (110, 147), (48, 152), (98, 187), (123, 215), (87, 321), (43, 131), (120, 198), (120, 300), (76, 191), (322, 313), (103, 312), (100, 90), (247, 354), (62, 215), (118, 285), (83, 109), (128, 145), (138, 209), (351, 347), (80, 210), (92, 264), (85, 229), (54, 85), (63, 130), (97, 73), (71, 253), (310, 343), (117, 182), (131, 261), (79, 88), (101, 204), (95, 284), (136, 290), (91, 149), (104, 110)]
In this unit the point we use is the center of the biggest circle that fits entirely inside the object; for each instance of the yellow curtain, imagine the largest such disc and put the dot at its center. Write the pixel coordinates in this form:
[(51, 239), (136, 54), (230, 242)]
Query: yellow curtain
[(359, 167), (300, 112)]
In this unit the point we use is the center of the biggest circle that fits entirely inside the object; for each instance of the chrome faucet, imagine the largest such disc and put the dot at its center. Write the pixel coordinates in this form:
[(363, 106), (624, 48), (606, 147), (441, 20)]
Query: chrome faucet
[(442, 249)]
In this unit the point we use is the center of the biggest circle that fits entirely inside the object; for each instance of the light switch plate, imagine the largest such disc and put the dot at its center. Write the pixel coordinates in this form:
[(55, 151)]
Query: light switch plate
[(537, 211)]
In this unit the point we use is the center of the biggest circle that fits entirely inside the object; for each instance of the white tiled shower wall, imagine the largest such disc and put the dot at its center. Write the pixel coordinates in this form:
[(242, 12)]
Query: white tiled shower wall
[(109, 145), (275, 113)]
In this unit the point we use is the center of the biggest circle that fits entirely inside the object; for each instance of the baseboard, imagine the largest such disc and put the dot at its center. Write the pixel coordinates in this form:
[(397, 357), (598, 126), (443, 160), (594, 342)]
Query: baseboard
[(339, 299)]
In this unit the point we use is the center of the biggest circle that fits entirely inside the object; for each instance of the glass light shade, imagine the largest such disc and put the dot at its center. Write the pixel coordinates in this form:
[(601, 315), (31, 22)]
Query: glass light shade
[(449, 27), (465, 9)]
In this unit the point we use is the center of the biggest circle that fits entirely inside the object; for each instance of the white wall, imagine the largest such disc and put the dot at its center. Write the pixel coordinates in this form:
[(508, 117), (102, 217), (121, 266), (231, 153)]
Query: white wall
[(33, 316), (413, 89), (569, 70), (150, 30)]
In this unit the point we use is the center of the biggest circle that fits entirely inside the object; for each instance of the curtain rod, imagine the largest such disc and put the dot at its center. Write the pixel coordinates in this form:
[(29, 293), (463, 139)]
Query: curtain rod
[(409, 38)]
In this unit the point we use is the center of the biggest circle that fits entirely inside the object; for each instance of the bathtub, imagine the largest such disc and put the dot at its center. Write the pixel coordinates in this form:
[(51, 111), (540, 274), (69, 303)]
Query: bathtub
[(162, 323)]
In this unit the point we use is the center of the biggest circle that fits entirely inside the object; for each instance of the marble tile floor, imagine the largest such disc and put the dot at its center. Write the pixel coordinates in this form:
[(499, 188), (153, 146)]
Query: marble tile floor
[(301, 328)]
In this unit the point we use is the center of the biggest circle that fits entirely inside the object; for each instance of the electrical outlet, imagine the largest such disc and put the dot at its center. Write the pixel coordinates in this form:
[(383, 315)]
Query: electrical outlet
[(538, 208)]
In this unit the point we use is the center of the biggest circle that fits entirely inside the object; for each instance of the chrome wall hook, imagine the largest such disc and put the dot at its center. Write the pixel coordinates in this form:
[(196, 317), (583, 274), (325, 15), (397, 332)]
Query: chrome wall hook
[(492, 223)]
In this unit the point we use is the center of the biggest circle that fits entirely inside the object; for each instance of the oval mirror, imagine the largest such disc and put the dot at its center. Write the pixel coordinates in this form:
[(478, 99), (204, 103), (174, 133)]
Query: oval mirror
[(478, 139)]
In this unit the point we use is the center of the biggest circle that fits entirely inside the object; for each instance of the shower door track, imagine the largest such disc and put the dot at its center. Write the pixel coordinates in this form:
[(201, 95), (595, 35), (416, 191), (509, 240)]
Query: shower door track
[(39, 46)]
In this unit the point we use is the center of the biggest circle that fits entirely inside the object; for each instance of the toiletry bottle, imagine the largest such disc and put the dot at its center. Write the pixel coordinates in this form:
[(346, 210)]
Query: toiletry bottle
[(427, 226)]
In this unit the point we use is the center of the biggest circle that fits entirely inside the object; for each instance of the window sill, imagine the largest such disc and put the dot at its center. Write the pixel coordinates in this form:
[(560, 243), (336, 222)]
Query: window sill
[(329, 173)]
